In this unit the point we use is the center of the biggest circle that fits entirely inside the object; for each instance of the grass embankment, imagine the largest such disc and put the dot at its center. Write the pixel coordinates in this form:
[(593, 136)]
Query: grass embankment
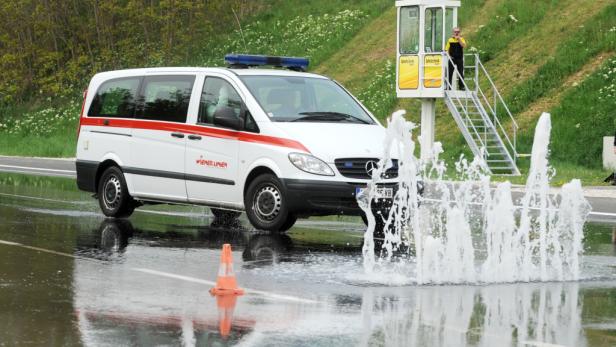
[(577, 85), (47, 126), (572, 83), (538, 60), (44, 130), (597, 36), (544, 56)]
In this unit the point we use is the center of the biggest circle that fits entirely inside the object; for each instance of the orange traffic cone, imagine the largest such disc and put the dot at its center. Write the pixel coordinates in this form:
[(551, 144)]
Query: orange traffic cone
[(226, 305), (226, 284)]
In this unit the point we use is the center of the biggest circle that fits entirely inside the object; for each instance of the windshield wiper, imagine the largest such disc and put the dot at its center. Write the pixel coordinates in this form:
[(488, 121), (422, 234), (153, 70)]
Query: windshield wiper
[(328, 115)]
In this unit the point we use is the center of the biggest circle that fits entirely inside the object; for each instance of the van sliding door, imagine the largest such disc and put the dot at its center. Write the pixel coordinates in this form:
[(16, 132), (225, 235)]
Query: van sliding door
[(159, 143)]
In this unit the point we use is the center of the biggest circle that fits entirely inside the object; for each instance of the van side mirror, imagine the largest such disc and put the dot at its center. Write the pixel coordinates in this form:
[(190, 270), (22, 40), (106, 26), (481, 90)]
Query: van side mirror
[(226, 117)]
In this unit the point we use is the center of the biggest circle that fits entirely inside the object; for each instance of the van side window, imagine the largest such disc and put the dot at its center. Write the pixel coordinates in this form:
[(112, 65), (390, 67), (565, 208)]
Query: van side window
[(115, 98), (165, 98), (218, 96), (250, 124)]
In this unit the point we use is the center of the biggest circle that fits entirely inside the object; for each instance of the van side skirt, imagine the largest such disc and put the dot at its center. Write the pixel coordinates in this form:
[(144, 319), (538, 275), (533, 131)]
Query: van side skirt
[(176, 175), (86, 175)]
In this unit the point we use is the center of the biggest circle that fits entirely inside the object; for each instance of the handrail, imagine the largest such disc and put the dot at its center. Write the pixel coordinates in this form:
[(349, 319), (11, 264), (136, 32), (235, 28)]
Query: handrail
[(449, 86), (496, 90), (498, 99), (497, 121), (498, 95), (488, 111)]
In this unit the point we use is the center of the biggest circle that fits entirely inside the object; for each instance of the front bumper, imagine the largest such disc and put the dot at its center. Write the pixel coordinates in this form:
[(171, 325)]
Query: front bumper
[(321, 198)]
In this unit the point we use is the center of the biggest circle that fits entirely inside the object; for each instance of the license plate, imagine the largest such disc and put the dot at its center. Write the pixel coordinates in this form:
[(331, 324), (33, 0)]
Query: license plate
[(381, 193)]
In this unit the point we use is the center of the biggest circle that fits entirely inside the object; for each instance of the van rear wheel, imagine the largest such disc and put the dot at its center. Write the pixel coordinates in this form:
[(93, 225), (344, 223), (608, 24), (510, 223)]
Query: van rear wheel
[(266, 204), (113, 196)]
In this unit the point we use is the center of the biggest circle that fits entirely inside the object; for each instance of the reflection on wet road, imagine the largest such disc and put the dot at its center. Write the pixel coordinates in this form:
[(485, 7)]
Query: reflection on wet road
[(70, 277)]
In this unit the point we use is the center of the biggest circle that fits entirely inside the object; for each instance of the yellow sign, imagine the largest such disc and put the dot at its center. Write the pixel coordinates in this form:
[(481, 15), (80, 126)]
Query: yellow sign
[(433, 71), (408, 74)]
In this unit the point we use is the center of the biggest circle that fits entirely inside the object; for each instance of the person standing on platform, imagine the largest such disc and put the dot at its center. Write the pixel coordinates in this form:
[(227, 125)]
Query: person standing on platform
[(455, 48)]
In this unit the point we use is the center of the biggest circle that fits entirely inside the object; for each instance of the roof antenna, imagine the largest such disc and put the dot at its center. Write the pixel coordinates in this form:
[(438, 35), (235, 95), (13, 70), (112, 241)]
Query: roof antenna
[(240, 26)]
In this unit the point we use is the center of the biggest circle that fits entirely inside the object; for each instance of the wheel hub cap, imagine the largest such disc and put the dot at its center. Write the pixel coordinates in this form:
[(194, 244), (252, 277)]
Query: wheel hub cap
[(268, 202), (112, 192)]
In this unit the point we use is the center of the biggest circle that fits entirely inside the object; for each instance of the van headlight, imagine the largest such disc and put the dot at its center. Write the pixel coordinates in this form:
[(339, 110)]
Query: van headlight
[(310, 164)]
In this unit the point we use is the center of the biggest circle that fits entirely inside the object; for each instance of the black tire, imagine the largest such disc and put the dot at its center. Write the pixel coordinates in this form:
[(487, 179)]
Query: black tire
[(113, 196), (290, 222), (266, 205)]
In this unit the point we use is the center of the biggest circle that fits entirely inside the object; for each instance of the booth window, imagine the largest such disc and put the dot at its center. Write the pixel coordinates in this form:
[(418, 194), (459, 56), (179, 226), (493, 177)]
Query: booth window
[(434, 30), (409, 30)]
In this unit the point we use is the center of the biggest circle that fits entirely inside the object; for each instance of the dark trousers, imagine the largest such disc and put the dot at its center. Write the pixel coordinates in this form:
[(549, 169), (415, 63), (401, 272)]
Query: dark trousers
[(459, 63)]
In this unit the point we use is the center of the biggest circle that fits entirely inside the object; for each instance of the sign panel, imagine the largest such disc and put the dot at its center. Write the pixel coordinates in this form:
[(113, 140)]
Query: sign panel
[(408, 72), (433, 71)]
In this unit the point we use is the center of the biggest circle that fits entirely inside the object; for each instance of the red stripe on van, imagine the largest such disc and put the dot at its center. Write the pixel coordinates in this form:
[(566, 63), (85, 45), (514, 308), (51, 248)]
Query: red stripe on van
[(194, 129)]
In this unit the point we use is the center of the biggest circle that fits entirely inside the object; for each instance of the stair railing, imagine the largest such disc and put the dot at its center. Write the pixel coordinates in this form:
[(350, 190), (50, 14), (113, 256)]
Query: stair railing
[(493, 106), (450, 85)]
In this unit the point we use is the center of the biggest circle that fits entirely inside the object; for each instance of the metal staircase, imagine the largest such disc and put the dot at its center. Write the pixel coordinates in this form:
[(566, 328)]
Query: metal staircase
[(480, 113)]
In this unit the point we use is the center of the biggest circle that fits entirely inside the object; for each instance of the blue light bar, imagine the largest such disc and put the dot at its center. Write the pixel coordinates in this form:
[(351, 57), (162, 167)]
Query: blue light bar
[(244, 60)]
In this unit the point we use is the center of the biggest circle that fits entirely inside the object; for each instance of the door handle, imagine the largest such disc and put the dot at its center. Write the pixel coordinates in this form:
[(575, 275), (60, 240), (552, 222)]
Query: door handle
[(106, 122), (194, 137), (178, 135)]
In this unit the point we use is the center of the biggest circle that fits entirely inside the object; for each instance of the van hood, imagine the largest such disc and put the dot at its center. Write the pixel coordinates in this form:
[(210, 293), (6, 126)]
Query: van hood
[(329, 141)]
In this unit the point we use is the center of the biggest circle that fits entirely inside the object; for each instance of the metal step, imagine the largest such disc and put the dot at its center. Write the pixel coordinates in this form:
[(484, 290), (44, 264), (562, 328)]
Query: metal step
[(475, 120), (475, 123)]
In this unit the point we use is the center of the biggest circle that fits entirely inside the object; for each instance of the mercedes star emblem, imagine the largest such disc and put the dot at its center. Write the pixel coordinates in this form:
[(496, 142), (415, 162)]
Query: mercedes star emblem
[(371, 166)]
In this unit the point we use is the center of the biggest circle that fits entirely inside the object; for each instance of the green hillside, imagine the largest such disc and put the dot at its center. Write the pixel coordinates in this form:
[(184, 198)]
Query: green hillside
[(557, 56), (544, 56)]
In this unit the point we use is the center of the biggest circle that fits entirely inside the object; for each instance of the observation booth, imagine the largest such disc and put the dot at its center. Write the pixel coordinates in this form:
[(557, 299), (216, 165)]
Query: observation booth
[(423, 29), (485, 121)]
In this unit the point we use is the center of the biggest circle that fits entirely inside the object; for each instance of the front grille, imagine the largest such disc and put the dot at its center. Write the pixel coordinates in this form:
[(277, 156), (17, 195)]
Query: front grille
[(357, 168)]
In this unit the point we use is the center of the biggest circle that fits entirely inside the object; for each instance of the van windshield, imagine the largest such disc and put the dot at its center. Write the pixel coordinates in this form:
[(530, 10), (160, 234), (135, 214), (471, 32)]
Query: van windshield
[(305, 99)]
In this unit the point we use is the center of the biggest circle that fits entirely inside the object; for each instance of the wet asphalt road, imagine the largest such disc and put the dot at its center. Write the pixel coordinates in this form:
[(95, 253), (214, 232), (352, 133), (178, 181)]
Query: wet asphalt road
[(69, 277), (39, 166), (602, 199)]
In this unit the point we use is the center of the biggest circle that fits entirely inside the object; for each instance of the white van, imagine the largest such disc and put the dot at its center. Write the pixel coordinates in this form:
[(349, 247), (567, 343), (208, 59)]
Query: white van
[(275, 143)]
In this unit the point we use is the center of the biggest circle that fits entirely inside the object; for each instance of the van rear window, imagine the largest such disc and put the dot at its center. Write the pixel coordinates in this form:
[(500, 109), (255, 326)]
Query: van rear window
[(165, 98), (115, 98)]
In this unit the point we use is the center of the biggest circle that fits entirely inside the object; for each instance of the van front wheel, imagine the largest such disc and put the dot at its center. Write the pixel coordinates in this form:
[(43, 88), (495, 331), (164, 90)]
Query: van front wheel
[(266, 205), (113, 196)]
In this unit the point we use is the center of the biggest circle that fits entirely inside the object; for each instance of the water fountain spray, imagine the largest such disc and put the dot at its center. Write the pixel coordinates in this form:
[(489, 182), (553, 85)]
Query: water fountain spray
[(467, 231)]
